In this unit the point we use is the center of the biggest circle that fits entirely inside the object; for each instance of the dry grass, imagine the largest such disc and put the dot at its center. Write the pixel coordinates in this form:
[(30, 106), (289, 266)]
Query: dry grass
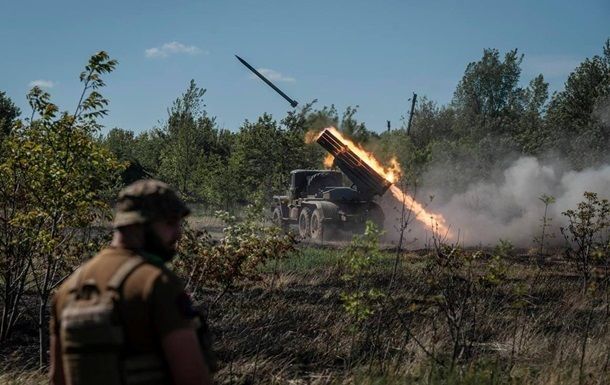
[(22, 377), (291, 328)]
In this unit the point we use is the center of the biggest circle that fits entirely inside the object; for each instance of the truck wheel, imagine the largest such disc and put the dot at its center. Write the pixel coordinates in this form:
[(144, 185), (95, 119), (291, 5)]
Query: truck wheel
[(277, 220), (319, 229), (304, 223)]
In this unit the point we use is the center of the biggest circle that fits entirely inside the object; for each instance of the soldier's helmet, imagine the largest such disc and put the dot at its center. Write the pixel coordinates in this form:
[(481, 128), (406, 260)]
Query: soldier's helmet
[(147, 200)]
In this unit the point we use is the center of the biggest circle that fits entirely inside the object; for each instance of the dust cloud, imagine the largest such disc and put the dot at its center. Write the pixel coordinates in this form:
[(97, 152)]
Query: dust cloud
[(507, 208)]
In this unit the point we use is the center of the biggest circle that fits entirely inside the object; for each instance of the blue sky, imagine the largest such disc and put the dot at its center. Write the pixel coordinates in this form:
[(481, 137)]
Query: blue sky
[(368, 53)]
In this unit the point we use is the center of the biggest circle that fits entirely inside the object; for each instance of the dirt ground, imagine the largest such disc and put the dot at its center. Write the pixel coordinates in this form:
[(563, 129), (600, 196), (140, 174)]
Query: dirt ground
[(292, 326)]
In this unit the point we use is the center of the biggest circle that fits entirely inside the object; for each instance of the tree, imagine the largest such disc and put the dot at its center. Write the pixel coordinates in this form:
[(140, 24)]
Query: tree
[(354, 129), (532, 134), (148, 147), (8, 113), (489, 88), (190, 136), (298, 149), (56, 182), (481, 126), (256, 160), (121, 142), (308, 119), (573, 115), (123, 145)]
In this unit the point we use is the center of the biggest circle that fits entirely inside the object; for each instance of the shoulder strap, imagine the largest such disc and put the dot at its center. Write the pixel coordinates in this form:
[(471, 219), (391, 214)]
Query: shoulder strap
[(77, 280), (116, 281)]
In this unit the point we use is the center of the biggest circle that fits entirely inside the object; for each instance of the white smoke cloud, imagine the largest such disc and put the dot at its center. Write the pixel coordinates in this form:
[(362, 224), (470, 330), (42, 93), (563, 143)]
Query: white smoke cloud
[(509, 208), (602, 110)]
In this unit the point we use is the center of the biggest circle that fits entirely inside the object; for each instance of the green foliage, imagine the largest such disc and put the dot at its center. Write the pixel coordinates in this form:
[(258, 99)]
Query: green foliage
[(354, 129), (122, 144), (257, 160), (461, 285), (246, 246), (395, 144), (189, 151), (92, 104), (496, 270), (530, 132), (185, 141), (148, 146), (489, 88), (56, 182), (587, 234), (8, 113), (491, 120), (266, 151), (574, 121), (359, 258), (308, 260), (430, 123), (546, 221)]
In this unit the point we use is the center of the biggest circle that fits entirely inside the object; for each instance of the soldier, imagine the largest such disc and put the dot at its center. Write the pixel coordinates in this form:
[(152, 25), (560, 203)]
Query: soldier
[(123, 317)]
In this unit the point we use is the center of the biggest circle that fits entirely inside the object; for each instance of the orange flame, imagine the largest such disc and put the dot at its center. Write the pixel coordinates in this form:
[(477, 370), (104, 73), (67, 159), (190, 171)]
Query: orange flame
[(434, 222), (312, 136), (431, 221), (391, 173)]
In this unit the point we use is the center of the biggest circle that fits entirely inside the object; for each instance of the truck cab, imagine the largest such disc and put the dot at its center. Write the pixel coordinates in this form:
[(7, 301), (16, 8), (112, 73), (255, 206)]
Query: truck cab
[(319, 201), (320, 204)]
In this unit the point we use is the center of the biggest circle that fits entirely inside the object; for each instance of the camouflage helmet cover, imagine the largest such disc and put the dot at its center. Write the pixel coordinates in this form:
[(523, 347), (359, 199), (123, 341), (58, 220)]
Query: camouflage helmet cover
[(148, 200)]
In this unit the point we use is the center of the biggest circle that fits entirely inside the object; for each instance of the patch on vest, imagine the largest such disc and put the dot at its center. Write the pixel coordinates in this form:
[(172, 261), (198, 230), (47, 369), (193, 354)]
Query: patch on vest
[(185, 306)]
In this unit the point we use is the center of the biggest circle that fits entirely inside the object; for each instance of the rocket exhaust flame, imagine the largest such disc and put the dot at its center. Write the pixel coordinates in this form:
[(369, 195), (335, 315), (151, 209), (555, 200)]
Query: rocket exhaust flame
[(368, 180), (391, 173), (431, 221)]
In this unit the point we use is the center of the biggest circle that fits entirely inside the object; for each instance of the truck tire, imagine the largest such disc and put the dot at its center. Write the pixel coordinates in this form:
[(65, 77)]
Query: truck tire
[(319, 229), (276, 218), (304, 223)]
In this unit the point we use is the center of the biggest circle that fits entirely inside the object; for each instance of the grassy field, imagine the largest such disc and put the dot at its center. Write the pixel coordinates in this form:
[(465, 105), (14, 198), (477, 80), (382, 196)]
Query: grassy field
[(292, 327), (531, 325)]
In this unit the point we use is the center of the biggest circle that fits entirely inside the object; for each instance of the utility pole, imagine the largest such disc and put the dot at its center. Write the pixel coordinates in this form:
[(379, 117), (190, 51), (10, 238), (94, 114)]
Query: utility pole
[(413, 99)]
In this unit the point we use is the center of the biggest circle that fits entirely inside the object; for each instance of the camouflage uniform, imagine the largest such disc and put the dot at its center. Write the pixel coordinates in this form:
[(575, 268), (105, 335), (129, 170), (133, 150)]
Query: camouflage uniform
[(152, 301)]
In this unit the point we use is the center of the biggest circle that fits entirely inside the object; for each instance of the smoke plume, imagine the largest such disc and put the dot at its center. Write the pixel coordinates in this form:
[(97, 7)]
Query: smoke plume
[(509, 207)]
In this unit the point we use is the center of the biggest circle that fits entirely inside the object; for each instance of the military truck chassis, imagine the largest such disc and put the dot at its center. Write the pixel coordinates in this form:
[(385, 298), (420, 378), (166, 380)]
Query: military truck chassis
[(319, 219)]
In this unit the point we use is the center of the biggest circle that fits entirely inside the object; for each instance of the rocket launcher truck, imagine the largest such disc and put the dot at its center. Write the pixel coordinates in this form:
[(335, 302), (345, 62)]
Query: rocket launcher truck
[(320, 203), (317, 200)]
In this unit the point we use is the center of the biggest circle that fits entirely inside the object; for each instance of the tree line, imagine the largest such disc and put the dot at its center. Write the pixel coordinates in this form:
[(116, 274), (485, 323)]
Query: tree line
[(491, 119), (59, 174)]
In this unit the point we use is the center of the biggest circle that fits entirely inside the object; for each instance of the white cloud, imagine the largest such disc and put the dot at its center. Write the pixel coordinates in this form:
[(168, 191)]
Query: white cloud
[(274, 76), (550, 65), (171, 48), (42, 83)]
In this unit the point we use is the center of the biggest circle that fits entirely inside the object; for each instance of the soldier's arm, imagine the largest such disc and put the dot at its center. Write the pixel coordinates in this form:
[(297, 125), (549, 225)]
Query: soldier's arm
[(173, 319), (184, 358), (56, 368)]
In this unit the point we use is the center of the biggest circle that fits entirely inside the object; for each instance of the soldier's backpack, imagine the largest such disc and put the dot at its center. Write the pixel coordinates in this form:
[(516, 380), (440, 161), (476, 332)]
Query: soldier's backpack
[(92, 336)]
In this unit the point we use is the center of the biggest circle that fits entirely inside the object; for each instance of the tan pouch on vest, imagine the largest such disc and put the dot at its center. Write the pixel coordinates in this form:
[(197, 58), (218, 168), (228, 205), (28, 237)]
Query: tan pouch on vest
[(91, 333)]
